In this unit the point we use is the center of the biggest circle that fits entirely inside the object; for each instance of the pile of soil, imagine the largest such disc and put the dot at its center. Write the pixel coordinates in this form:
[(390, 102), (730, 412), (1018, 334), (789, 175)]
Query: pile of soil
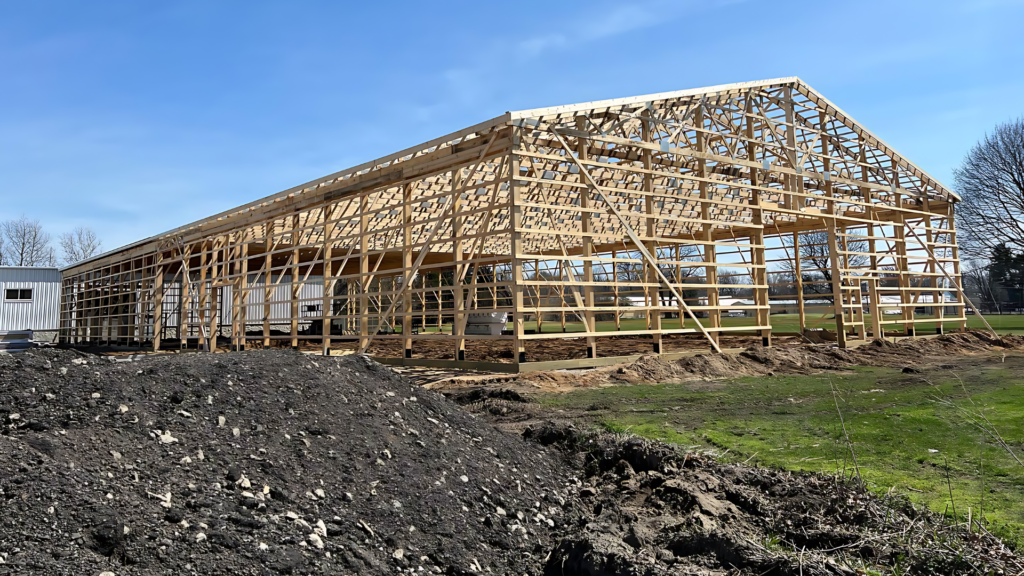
[(654, 510), (755, 360), (758, 360), (272, 462), (260, 463)]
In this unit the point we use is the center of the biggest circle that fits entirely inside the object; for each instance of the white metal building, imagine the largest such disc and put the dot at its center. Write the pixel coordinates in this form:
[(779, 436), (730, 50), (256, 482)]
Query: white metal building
[(29, 298)]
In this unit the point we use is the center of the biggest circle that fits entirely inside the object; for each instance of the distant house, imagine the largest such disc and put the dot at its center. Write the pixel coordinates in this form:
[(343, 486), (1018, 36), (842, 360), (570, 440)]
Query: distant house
[(29, 298)]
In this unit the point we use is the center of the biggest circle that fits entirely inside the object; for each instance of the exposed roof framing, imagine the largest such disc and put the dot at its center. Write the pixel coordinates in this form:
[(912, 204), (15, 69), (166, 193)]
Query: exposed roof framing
[(619, 120)]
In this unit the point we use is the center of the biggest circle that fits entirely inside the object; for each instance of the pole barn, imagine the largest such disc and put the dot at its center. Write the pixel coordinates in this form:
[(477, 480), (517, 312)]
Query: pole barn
[(568, 236)]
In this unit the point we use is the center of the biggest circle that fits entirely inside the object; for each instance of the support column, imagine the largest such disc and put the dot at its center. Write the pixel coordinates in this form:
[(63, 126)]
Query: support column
[(364, 272), (903, 265), (586, 227), (158, 300), (837, 278), (295, 284), (518, 344), (185, 293), (243, 293), (931, 239), (874, 310), (798, 267), (268, 285), (327, 307), (709, 249), (651, 277), (758, 272), (407, 272), (458, 292), (231, 268), (216, 270), (955, 252), (204, 297)]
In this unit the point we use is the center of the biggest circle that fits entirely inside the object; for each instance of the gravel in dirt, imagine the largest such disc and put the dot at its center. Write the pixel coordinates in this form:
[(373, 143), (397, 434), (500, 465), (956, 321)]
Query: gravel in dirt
[(266, 462)]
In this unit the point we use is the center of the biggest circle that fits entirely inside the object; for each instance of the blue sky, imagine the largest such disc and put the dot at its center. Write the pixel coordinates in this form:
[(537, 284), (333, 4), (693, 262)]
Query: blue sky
[(137, 117)]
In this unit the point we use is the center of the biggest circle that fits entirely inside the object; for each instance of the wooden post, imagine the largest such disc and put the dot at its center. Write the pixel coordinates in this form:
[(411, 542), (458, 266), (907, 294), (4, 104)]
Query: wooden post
[(364, 272), (651, 295), (204, 298), (458, 289), (931, 266), (407, 270), (709, 249), (327, 306), (158, 300), (837, 279), (833, 252), (518, 343), (875, 311), (799, 282), (243, 293), (268, 285), (296, 285), (902, 262), (759, 271), (215, 273), (586, 226), (957, 278)]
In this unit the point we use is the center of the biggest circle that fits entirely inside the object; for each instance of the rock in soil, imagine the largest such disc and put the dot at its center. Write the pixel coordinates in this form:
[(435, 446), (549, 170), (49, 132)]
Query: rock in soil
[(338, 462)]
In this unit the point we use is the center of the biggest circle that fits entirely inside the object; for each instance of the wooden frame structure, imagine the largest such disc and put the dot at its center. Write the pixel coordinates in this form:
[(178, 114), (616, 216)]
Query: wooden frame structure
[(649, 207)]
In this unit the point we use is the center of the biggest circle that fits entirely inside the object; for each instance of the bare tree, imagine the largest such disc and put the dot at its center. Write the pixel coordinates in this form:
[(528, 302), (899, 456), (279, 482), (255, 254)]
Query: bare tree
[(815, 262), (79, 244), (734, 283), (990, 181), (980, 284), (26, 244)]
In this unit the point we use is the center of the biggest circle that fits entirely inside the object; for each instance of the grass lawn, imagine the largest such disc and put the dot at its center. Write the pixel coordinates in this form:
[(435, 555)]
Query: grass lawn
[(1013, 324), (902, 438)]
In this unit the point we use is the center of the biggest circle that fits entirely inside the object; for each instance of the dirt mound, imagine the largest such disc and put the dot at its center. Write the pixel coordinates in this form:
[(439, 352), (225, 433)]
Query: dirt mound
[(804, 359), (653, 510), (259, 463)]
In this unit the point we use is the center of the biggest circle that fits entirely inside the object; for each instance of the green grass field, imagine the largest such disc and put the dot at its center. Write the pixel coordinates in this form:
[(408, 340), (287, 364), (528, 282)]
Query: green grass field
[(780, 323), (902, 438)]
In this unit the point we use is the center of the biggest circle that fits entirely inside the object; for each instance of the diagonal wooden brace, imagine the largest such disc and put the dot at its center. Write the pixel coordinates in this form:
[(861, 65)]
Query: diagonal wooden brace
[(651, 261), (952, 281)]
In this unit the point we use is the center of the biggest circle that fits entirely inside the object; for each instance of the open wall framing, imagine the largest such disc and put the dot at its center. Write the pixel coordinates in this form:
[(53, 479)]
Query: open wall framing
[(595, 230)]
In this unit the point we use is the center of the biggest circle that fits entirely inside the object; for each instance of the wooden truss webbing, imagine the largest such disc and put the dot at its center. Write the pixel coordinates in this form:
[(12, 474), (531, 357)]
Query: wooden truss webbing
[(651, 261), (950, 278), (424, 250), (191, 291)]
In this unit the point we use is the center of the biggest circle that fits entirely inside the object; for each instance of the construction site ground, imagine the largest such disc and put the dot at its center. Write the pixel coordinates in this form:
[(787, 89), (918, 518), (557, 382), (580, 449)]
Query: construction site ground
[(904, 408), (277, 462)]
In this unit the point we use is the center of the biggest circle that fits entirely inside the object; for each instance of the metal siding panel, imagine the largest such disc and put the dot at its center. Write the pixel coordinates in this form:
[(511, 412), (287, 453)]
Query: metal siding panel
[(43, 313), (280, 300)]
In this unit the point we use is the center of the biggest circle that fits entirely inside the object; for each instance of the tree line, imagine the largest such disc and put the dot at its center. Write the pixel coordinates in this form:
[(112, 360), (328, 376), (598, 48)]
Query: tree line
[(24, 242), (990, 182)]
